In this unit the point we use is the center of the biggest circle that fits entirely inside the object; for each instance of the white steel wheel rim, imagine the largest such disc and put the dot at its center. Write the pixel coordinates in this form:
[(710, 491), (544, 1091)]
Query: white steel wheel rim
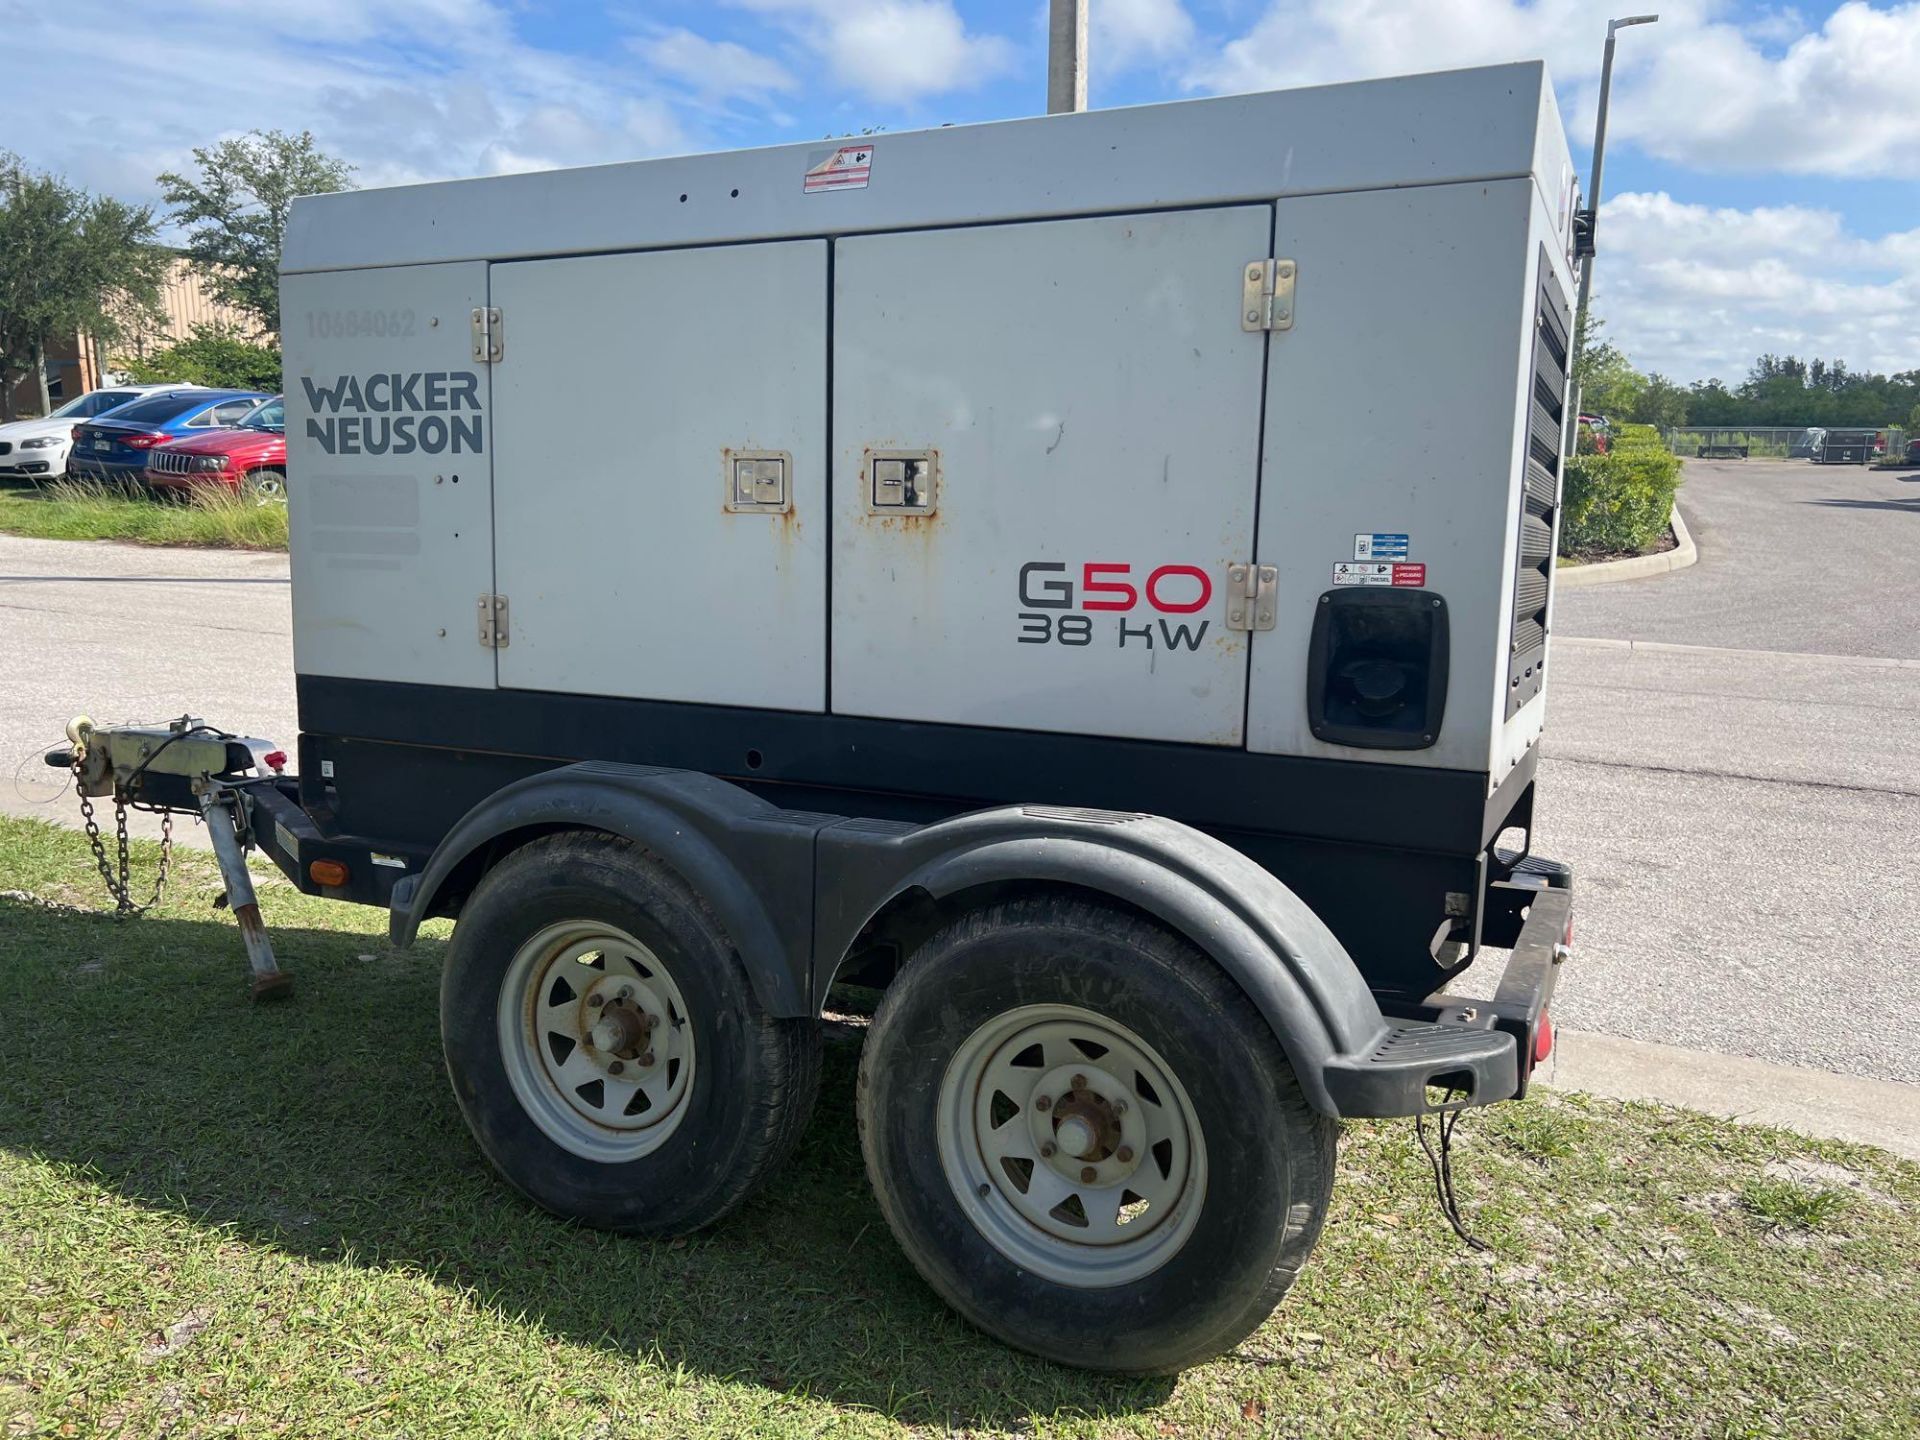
[(1071, 1145), (595, 1040)]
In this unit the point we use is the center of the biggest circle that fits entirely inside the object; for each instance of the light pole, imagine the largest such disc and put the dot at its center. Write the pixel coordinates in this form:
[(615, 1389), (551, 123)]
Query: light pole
[(1067, 57), (1589, 218)]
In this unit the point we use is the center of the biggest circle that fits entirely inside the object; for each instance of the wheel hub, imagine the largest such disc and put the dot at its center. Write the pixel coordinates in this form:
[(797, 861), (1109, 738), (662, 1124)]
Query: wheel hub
[(1072, 1145), (594, 1033)]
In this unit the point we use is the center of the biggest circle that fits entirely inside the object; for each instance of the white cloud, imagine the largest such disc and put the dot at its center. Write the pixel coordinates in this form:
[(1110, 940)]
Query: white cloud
[(715, 69), (1696, 291), (1699, 89), (893, 51), (1126, 33), (1842, 100), (425, 90)]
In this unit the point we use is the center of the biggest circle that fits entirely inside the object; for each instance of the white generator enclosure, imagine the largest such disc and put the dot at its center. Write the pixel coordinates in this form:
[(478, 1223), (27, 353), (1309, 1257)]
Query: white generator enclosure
[(1202, 458)]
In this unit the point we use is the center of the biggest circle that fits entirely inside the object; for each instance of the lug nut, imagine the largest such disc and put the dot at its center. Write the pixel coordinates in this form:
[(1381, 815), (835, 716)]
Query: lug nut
[(1123, 1154), (617, 1066), (1088, 1174), (646, 1059), (1119, 1107), (596, 1001), (1045, 1102), (1079, 1082), (1046, 1150), (626, 993)]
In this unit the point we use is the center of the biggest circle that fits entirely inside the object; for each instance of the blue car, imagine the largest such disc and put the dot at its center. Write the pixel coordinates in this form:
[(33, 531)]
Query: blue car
[(113, 445)]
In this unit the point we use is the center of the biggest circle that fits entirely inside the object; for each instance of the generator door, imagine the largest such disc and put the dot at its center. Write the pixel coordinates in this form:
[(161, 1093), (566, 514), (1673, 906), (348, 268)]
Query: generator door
[(1046, 439), (660, 474)]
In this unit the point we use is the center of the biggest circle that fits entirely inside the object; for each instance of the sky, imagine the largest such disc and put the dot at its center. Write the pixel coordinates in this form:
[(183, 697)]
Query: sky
[(1763, 162)]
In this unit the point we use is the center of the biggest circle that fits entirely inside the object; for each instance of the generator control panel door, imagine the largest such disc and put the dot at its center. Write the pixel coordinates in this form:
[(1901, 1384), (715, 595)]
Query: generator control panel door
[(1046, 439), (660, 474)]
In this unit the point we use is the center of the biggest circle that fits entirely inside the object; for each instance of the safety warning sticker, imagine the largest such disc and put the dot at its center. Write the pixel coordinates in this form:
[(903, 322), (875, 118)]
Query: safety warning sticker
[(1379, 572), (1379, 546), (845, 169)]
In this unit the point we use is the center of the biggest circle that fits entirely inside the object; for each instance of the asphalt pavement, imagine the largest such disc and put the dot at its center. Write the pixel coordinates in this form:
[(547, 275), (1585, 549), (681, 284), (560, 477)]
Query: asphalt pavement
[(1793, 556), (132, 634), (1740, 798), (1732, 761)]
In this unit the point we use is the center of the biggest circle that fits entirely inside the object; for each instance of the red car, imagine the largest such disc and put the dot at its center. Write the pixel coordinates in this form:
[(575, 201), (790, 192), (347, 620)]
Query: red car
[(249, 459)]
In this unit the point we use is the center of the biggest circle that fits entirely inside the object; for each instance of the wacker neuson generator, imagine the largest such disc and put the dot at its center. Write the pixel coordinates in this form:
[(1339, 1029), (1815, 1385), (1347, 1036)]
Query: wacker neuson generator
[(1087, 578)]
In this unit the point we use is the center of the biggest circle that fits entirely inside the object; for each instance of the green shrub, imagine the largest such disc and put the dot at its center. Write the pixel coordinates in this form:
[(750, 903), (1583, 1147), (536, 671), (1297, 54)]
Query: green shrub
[(1619, 502), (212, 355)]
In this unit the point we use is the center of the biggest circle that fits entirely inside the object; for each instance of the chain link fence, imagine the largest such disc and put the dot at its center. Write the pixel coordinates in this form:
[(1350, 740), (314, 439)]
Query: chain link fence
[(1776, 442)]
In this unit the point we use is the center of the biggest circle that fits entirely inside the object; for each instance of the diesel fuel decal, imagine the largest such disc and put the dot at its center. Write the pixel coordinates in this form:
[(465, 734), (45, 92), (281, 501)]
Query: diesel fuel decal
[(429, 412), (1108, 600)]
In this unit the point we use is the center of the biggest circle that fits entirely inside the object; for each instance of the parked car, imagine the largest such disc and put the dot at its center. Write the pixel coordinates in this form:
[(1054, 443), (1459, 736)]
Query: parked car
[(249, 458), (114, 446), (1599, 430), (1913, 451), (37, 449)]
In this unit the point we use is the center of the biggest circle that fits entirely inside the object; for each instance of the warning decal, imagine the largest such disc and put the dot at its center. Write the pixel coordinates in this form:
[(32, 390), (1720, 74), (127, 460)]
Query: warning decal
[(845, 169), (1380, 572)]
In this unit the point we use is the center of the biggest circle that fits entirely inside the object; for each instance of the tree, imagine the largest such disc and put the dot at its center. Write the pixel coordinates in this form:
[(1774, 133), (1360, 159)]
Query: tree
[(212, 355), (69, 262), (1660, 402), (237, 209)]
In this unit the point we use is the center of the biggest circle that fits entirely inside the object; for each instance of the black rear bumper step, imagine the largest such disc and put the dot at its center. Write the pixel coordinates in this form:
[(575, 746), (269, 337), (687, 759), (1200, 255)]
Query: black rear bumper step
[(1418, 1069)]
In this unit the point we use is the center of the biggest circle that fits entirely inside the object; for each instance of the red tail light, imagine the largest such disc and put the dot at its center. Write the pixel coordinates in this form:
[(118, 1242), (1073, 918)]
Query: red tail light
[(1543, 1038), (74, 434), (147, 441)]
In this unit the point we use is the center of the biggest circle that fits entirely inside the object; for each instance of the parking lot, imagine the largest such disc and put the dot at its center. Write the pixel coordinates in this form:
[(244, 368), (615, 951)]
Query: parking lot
[(1740, 797)]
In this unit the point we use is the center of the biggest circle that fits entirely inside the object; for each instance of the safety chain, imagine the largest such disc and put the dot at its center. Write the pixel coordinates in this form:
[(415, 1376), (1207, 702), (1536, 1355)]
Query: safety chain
[(121, 887)]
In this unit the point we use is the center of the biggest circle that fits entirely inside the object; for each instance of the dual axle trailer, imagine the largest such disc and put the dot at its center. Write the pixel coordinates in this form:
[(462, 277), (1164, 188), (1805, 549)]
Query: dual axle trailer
[(1088, 577)]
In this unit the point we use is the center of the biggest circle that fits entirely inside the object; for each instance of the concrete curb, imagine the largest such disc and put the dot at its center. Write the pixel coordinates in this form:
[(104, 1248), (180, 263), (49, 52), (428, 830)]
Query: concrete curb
[(1811, 1102), (1635, 567)]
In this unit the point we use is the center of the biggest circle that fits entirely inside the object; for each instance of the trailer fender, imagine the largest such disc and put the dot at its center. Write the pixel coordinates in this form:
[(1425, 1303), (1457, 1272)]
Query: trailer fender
[(1289, 964), (751, 861)]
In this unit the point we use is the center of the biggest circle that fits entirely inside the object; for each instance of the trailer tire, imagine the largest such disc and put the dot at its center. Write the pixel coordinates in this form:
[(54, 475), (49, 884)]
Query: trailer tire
[(1134, 1027), (591, 925)]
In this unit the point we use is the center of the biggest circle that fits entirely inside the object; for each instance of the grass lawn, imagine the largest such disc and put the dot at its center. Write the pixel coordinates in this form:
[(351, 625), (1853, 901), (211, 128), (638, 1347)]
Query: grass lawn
[(221, 1219), (69, 510)]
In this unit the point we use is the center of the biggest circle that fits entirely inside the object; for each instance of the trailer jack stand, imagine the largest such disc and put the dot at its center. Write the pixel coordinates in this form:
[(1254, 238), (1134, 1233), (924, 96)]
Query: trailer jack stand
[(220, 808)]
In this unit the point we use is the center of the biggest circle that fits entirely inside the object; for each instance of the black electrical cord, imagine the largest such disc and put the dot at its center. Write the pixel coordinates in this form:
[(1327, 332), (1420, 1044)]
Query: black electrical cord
[(1442, 1164)]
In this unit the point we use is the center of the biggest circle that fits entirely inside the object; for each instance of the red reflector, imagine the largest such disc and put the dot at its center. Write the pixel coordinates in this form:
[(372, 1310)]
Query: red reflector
[(1543, 1038), (328, 872), (276, 760)]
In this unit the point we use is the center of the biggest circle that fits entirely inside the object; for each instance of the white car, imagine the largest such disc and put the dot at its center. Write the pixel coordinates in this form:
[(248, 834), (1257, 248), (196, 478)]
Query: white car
[(37, 449)]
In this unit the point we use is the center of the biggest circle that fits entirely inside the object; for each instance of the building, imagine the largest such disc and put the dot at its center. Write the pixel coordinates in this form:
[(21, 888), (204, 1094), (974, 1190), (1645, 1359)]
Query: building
[(76, 364)]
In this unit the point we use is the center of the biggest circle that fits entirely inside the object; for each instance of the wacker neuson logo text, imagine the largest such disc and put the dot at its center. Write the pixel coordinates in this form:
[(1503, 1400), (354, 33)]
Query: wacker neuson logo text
[(429, 412)]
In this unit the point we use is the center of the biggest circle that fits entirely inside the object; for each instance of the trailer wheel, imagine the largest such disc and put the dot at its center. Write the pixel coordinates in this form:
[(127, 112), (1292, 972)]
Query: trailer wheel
[(1087, 1139), (605, 1044)]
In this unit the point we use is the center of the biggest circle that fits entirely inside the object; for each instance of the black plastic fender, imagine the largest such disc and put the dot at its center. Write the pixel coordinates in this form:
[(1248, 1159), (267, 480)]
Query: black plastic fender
[(794, 891), (1277, 950), (751, 861)]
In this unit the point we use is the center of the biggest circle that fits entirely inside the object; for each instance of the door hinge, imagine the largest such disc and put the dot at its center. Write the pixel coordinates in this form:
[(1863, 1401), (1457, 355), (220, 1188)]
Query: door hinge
[(489, 335), (1250, 597), (493, 622), (1266, 295)]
